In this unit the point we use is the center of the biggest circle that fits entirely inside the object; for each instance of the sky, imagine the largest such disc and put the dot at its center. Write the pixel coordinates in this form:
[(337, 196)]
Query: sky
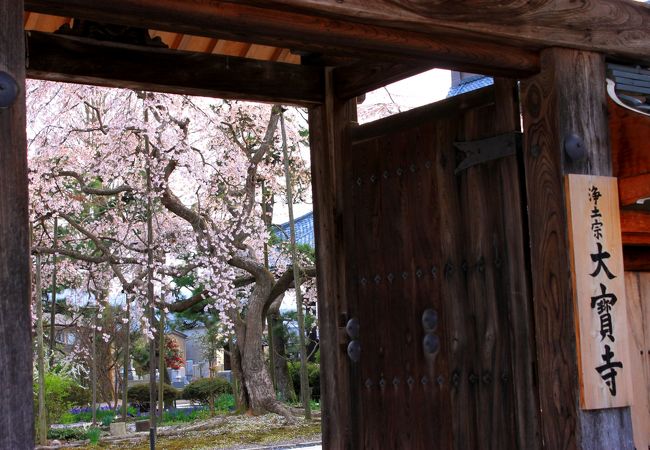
[(422, 89)]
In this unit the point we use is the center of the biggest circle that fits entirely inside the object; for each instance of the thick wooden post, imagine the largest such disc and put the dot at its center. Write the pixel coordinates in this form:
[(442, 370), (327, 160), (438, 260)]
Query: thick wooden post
[(327, 124), (16, 397), (566, 97)]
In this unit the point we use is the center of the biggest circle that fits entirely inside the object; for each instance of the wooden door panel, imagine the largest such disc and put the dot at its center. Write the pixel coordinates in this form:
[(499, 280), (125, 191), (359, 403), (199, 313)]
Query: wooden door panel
[(419, 236), (484, 255), (458, 311)]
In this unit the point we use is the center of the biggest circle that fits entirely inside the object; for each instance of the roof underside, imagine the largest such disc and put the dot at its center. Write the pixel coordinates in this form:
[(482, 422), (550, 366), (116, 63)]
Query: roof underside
[(179, 41), (281, 50)]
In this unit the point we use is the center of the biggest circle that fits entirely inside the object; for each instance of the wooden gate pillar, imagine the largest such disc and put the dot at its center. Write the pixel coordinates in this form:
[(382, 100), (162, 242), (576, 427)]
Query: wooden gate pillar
[(327, 129), (567, 97), (16, 409)]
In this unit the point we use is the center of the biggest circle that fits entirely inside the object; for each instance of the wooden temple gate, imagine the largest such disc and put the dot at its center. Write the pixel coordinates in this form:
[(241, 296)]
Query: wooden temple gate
[(437, 280), (445, 296)]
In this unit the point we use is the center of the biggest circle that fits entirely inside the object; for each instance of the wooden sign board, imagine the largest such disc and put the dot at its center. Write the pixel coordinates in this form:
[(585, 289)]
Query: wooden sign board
[(599, 291)]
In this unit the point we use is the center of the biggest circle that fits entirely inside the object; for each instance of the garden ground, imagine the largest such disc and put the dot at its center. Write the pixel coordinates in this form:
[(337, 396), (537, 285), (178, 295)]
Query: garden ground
[(223, 432)]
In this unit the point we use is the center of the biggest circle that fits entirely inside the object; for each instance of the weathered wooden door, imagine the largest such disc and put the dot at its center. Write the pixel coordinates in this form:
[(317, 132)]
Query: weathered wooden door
[(441, 342)]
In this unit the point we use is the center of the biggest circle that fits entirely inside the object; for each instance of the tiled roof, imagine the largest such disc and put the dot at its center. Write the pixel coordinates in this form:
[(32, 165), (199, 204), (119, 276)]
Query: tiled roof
[(469, 84), (304, 230)]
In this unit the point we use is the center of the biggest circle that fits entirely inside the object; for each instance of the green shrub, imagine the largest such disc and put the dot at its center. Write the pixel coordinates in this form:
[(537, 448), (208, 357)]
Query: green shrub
[(206, 388), (61, 393), (66, 434), (313, 371), (108, 419), (56, 396), (68, 418), (225, 403), (93, 435), (139, 395)]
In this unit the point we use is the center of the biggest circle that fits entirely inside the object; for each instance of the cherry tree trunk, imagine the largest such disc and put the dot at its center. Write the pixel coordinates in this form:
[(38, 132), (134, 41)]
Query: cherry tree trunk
[(257, 379)]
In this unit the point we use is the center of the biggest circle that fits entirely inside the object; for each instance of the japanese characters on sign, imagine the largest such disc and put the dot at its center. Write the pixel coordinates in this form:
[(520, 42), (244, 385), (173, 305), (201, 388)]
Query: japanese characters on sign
[(599, 291)]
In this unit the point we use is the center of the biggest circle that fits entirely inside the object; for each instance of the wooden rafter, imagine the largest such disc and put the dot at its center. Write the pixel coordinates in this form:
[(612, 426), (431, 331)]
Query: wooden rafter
[(70, 59), (179, 41), (270, 26)]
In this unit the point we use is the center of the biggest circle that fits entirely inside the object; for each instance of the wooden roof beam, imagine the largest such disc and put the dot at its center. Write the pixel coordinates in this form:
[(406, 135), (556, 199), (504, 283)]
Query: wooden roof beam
[(614, 27), (357, 79), (79, 60), (307, 32)]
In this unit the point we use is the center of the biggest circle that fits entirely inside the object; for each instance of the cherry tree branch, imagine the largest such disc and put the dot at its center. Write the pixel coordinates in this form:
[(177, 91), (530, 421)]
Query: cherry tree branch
[(285, 282), (269, 135), (71, 254), (114, 261), (86, 189)]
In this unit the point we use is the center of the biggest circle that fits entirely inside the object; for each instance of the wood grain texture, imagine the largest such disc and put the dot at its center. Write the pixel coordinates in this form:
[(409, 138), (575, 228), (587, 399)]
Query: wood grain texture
[(520, 307), (594, 393), (488, 291), (637, 287), (306, 32), (635, 227), (616, 27), (419, 236), (416, 116), (78, 60), (568, 96), (630, 140), (16, 396), (634, 188), (327, 125)]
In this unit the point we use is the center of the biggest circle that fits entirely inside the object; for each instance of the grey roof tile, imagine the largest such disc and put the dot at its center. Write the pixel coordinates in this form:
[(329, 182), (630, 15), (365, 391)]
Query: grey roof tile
[(470, 84)]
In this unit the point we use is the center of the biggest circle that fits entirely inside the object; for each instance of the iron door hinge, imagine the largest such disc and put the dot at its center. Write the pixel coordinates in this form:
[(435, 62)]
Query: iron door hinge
[(489, 149)]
